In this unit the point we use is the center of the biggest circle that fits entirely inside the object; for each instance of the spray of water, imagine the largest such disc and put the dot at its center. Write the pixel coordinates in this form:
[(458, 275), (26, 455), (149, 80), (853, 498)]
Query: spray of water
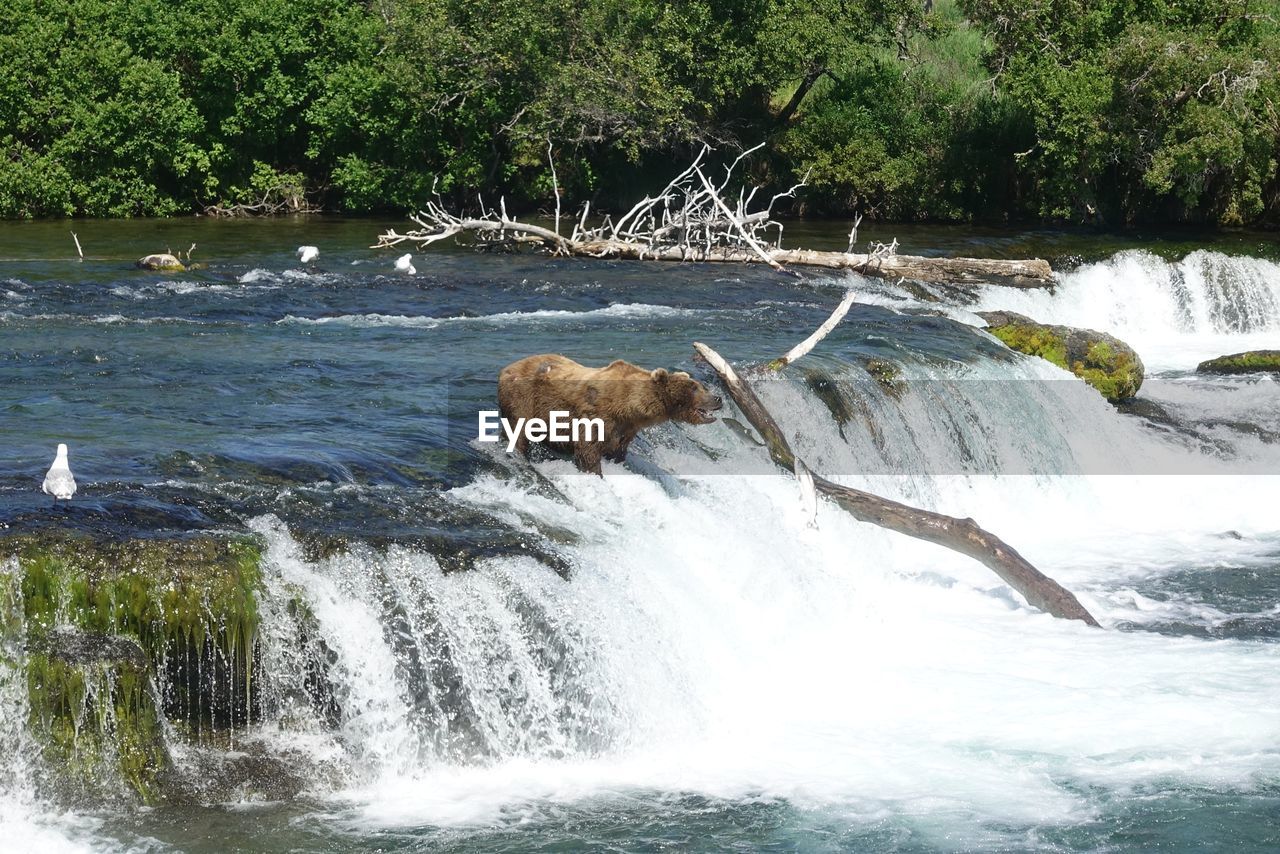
[(1175, 314)]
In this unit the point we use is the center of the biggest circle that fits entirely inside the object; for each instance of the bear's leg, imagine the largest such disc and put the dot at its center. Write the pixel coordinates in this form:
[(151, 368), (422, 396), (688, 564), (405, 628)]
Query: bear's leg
[(619, 452), (586, 456)]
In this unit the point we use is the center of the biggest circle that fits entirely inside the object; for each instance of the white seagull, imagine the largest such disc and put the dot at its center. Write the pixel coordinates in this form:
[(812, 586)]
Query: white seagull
[(58, 482), (307, 254), (405, 264)]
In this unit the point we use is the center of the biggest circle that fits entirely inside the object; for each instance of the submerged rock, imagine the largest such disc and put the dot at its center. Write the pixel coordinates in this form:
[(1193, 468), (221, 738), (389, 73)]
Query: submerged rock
[(888, 375), (824, 387), (1249, 362), (1103, 361), (247, 774), (160, 261)]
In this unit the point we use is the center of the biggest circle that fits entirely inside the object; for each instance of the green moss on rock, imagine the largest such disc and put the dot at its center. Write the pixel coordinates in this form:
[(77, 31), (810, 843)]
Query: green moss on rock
[(157, 591), (105, 624), (98, 725), (1115, 372), (1249, 362), (888, 375), (1103, 361), (1034, 341)]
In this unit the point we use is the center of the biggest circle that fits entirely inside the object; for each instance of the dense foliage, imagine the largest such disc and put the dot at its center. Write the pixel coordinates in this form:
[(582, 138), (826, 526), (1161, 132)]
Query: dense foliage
[(1111, 111)]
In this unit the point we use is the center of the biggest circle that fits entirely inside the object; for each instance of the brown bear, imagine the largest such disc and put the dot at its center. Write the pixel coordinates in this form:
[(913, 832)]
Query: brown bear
[(626, 398)]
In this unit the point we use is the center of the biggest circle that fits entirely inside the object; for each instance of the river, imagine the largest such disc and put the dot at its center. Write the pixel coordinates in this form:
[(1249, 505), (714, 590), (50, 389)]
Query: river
[(670, 657)]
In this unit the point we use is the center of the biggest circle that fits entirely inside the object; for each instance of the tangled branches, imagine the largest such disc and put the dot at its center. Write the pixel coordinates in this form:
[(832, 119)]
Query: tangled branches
[(689, 218), (696, 218)]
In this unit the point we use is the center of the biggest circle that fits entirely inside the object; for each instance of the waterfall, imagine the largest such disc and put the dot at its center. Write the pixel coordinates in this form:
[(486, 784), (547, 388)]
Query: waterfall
[(707, 643), (1175, 314)]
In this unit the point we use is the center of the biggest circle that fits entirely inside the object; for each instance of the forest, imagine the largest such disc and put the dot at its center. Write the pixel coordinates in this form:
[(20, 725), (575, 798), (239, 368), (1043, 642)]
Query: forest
[(1111, 113)]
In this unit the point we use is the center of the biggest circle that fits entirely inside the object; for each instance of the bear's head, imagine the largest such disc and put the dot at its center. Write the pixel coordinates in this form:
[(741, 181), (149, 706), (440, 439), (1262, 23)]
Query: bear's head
[(684, 398)]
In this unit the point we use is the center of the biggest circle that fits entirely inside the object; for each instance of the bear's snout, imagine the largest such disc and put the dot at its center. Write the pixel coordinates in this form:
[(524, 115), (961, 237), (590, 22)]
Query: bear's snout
[(706, 403)]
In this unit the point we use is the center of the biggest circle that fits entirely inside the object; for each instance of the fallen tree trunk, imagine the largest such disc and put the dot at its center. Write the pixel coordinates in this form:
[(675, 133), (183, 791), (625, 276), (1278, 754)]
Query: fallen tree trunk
[(1033, 272), (690, 220), (961, 535)]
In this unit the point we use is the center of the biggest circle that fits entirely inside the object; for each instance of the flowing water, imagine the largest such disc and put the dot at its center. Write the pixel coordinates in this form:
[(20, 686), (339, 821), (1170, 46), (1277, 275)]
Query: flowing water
[(670, 657)]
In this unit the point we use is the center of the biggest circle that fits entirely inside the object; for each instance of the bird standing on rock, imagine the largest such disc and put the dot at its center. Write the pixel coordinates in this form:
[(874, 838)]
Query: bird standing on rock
[(405, 264), (307, 254), (59, 482)]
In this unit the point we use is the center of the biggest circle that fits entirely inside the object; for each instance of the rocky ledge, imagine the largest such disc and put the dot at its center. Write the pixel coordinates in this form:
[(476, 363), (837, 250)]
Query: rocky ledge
[(1249, 362)]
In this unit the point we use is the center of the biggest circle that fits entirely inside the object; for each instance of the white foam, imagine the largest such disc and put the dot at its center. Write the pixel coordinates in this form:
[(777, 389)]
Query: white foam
[(621, 310), (256, 275), (15, 317), (849, 670), (1174, 314)]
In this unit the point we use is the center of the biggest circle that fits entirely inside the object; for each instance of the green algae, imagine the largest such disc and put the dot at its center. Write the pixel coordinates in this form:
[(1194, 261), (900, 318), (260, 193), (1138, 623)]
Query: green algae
[(104, 624), (1034, 341), (1113, 372), (887, 375), (1252, 361), (98, 725), (1101, 361), (159, 592)]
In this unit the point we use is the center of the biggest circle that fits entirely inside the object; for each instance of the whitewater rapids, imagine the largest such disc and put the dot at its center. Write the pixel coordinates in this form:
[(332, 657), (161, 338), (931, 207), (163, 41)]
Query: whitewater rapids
[(711, 652)]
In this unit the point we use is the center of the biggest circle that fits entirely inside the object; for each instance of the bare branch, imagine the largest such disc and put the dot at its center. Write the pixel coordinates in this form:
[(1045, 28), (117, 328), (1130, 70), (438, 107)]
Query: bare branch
[(821, 332), (691, 220), (853, 233), (555, 186)]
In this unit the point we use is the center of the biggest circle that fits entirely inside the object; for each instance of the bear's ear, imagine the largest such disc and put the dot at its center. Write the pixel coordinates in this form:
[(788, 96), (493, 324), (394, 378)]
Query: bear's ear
[(659, 375)]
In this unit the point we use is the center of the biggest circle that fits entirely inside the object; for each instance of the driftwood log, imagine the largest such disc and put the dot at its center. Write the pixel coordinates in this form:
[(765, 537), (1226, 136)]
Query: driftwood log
[(961, 535), (1033, 272), (695, 218)]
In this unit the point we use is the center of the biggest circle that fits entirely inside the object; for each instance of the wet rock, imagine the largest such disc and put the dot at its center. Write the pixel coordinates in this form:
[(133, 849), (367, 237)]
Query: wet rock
[(120, 636), (1103, 361), (1249, 362), (825, 388), (246, 774), (79, 648), (96, 721), (160, 261), (888, 375)]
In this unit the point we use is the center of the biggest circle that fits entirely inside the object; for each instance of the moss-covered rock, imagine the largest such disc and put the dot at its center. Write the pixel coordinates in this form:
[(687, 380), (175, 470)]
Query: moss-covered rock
[(98, 722), (1103, 361), (824, 388), (1249, 362), (120, 636), (888, 375)]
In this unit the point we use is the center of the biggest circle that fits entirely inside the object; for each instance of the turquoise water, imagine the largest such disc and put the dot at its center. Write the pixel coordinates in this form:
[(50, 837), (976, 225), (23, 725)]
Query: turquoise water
[(711, 674)]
